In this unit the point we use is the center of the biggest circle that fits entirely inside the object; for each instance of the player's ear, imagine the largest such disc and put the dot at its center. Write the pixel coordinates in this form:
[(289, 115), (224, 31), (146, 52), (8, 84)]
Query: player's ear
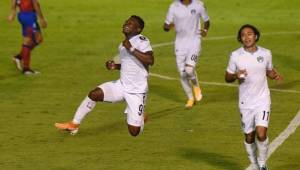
[(257, 37), (139, 30)]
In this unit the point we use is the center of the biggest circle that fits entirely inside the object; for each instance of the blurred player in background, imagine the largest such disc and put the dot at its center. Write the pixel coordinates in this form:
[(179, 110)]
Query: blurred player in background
[(29, 11), (135, 58), (251, 65), (185, 16)]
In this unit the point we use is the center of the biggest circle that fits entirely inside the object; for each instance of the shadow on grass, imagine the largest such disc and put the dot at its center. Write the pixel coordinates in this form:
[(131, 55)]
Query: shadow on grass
[(165, 112), (168, 92), (217, 160), (118, 125)]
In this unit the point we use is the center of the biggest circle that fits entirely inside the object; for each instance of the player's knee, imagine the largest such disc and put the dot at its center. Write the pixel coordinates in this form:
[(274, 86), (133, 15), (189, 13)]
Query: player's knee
[(261, 137), (27, 41), (190, 71), (261, 133), (96, 94), (39, 40), (134, 130), (182, 74), (250, 138), (134, 133)]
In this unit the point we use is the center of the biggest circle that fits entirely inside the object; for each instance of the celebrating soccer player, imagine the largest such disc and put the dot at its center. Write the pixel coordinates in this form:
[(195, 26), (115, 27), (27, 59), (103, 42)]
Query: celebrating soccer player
[(29, 11), (251, 65), (135, 58), (185, 15)]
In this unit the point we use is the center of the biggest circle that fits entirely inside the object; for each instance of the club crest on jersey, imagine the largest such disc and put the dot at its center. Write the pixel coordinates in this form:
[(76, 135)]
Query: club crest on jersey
[(193, 11), (260, 59), (143, 38)]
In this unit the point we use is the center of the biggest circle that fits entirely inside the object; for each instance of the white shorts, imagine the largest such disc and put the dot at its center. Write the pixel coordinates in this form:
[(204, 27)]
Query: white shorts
[(187, 54), (186, 59), (250, 118), (136, 102)]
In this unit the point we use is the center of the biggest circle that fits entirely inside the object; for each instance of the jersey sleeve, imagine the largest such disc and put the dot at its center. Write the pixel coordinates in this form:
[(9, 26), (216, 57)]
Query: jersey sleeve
[(204, 14), (143, 44), (269, 61), (232, 67), (170, 15)]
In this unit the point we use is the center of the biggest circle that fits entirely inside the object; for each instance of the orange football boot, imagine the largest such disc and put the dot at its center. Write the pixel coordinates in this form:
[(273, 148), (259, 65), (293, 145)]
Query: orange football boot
[(197, 93), (68, 126), (190, 103)]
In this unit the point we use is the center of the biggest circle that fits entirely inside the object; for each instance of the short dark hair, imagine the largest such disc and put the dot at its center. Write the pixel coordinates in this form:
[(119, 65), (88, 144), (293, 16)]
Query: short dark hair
[(255, 30), (140, 21)]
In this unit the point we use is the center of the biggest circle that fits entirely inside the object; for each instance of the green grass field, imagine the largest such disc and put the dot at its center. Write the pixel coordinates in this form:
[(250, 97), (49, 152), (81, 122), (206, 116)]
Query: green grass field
[(82, 35)]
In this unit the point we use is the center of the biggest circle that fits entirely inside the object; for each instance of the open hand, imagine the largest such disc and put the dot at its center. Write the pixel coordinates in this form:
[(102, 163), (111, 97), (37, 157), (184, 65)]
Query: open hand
[(241, 74), (11, 17), (203, 33), (43, 23), (110, 65)]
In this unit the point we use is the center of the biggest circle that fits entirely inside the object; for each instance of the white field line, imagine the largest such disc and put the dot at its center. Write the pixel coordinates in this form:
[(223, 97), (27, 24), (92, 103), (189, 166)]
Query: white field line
[(291, 128), (227, 37), (220, 84)]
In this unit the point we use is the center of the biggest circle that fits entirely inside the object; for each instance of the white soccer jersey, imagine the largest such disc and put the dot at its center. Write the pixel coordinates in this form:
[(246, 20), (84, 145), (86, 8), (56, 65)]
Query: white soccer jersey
[(133, 73), (254, 91), (187, 22)]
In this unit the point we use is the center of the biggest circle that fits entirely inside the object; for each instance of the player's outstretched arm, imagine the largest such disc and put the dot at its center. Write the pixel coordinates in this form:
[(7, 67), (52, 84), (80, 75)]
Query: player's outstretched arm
[(38, 10), (13, 11), (274, 75)]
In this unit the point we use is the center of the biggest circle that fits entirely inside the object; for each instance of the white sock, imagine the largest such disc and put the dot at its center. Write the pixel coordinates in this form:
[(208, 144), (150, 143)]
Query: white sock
[(195, 81), (251, 151), (85, 107), (262, 152), (142, 127), (186, 86)]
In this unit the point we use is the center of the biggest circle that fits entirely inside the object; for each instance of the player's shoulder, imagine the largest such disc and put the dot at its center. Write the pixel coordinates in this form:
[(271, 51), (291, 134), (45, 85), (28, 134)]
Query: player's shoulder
[(199, 2), (237, 52), (140, 39), (175, 3), (264, 50), (141, 42)]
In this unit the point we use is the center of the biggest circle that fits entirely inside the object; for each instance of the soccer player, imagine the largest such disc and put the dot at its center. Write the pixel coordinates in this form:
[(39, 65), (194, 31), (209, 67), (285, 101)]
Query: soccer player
[(136, 56), (29, 11), (251, 65), (185, 16)]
